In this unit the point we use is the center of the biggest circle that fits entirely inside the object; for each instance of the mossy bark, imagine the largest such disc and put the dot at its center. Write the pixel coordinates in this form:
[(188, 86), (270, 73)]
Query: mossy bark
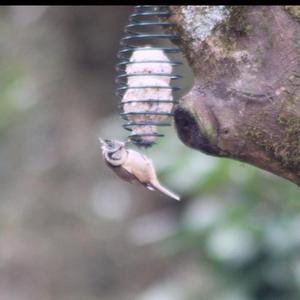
[(245, 103)]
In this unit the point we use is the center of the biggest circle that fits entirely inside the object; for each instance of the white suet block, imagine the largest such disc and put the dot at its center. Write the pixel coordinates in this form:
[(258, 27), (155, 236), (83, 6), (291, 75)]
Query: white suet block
[(151, 81)]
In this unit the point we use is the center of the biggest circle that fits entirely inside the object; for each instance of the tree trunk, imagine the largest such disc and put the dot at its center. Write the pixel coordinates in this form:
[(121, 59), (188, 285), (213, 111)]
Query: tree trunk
[(245, 102)]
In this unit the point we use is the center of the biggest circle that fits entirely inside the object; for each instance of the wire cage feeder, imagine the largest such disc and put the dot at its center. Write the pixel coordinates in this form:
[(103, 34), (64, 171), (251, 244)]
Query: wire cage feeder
[(146, 81)]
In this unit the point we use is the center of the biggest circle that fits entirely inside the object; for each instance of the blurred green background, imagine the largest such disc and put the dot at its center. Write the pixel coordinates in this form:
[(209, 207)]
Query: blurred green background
[(70, 229)]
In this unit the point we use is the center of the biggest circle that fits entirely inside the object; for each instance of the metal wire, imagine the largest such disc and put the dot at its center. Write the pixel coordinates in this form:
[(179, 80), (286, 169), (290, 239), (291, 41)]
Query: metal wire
[(148, 25)]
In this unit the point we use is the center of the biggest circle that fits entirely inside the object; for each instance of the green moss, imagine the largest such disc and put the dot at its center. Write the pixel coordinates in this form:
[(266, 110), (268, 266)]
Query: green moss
[(233, 27), (284, 146), (208, 129), (237, 21), (293, 10)]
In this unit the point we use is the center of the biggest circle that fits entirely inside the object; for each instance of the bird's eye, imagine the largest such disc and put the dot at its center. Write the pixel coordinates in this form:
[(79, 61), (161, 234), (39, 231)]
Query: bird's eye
[(110, 144)]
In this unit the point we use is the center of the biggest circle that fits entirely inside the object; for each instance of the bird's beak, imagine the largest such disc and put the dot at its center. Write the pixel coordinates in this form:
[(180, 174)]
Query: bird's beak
[(102, 142)]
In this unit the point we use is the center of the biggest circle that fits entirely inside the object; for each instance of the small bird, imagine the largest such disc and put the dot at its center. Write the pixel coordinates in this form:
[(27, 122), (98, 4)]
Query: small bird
[(132, 166)]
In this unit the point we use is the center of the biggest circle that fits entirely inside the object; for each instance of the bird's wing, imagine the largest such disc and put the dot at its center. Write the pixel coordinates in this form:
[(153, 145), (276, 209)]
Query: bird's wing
[(149, 187), (123, 173)]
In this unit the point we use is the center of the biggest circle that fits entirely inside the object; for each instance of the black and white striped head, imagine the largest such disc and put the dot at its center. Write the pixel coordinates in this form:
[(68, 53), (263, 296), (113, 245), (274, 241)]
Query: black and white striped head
[(113, 151)]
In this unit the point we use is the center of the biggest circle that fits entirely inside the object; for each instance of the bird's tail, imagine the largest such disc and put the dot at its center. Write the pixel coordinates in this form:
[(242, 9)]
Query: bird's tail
[(157, 186)]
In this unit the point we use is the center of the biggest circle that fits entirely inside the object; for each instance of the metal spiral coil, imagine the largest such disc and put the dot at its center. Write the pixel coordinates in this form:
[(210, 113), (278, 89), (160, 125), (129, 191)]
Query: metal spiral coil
[(148, 30)]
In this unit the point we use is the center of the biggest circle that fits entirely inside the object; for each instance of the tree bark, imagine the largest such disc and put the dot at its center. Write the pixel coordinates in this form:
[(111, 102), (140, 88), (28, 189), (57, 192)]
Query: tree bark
[(245, 102)]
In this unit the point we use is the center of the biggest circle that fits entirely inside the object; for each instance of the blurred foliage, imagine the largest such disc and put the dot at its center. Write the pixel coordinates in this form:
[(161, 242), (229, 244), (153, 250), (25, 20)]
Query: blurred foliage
[(9, 84), (241, 222), (71, 230)]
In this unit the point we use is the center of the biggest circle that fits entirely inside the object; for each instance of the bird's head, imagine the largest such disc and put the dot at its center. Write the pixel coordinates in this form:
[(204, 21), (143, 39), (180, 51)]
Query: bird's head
[(114, 151)]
